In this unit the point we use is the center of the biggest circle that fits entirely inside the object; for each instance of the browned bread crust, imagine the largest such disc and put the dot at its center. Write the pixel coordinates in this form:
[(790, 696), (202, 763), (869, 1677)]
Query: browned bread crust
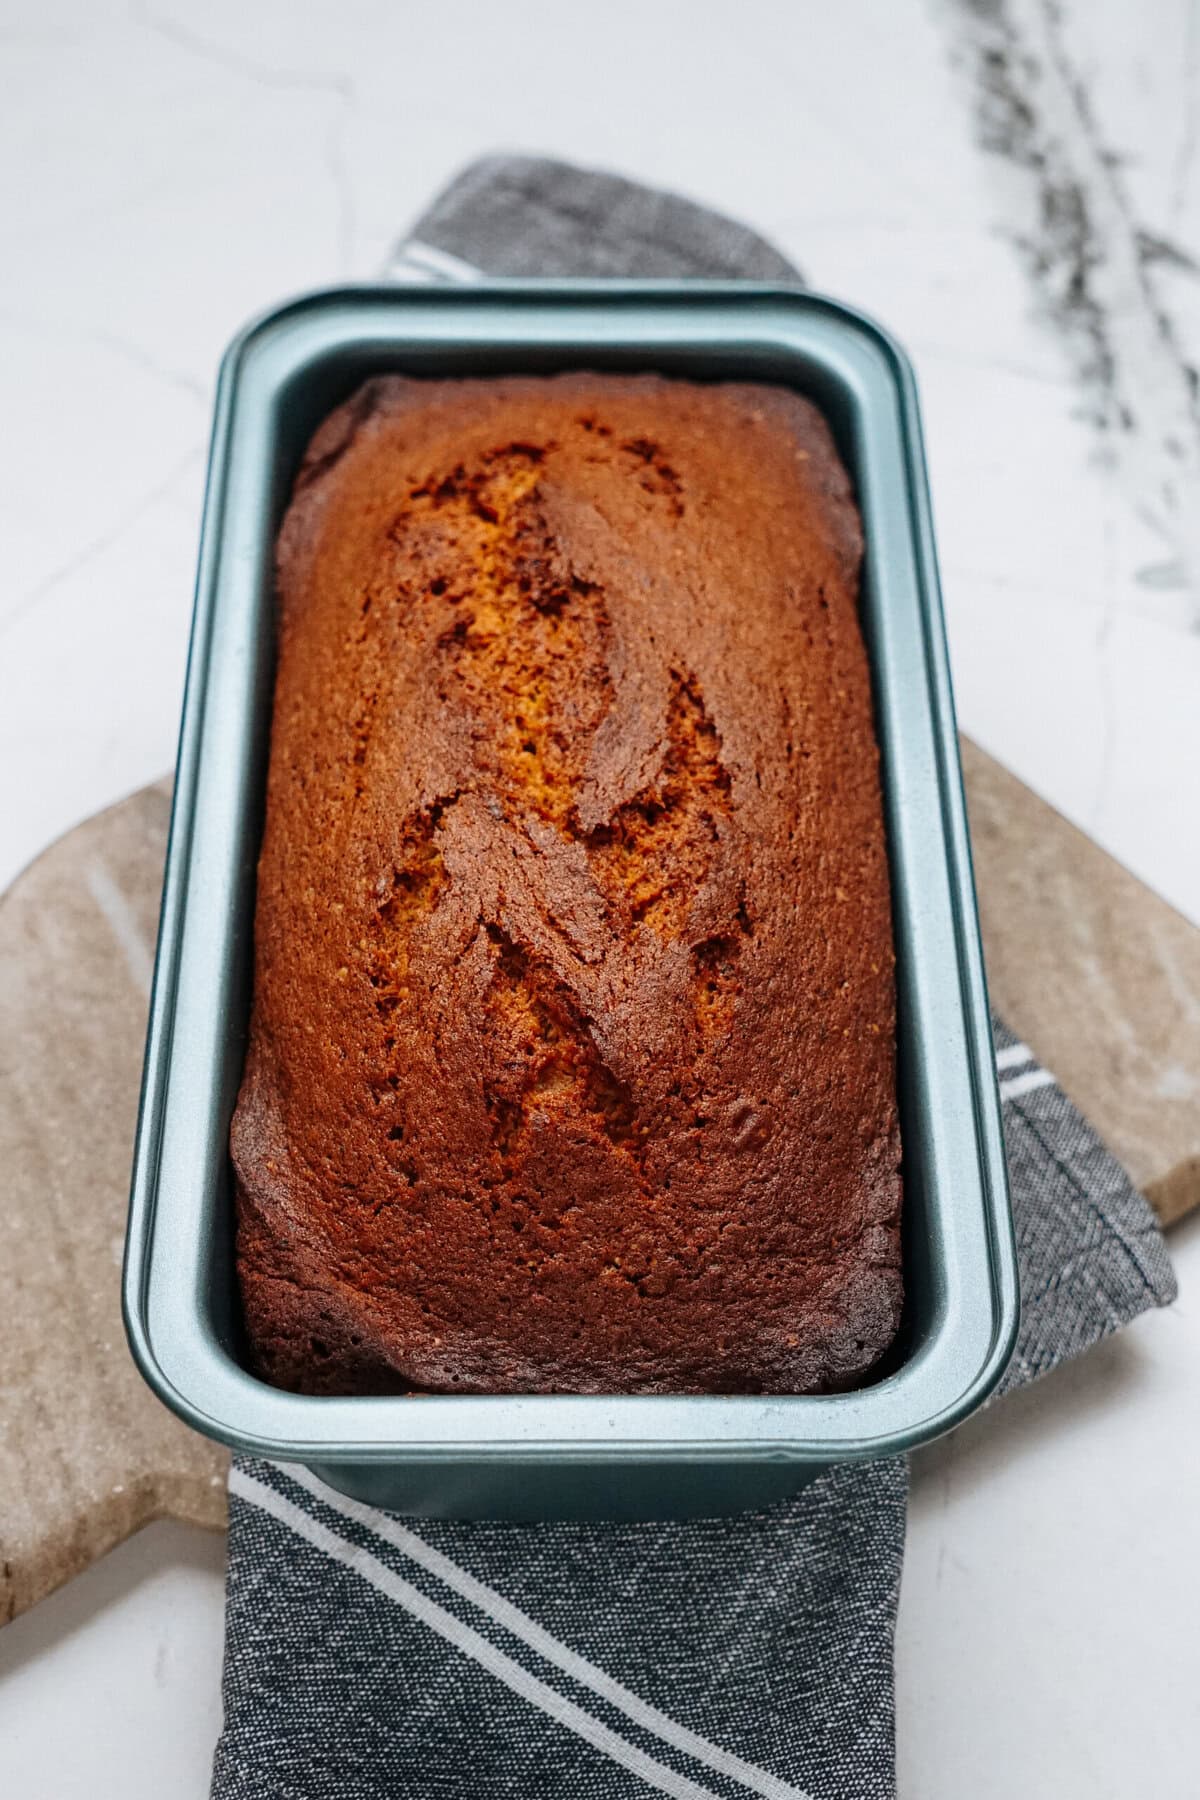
[(572, 1053)]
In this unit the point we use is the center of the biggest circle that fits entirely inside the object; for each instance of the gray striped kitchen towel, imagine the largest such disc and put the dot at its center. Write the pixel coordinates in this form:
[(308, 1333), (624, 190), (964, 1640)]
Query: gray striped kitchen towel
[(370, 1657)]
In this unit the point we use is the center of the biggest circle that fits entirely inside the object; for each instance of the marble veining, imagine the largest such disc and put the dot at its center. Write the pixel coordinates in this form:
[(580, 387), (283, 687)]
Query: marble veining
[(1093, 265)]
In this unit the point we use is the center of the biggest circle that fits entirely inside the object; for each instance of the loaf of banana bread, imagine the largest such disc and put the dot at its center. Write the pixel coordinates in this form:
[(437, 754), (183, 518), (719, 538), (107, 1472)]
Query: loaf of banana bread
[(571, 1062)]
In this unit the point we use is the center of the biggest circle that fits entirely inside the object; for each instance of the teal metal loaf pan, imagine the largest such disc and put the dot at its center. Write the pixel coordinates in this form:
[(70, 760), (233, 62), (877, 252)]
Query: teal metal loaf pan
[(533, 1456)]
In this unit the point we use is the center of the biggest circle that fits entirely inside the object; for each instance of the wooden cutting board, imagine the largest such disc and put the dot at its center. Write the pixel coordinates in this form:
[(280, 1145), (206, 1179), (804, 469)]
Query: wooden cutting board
[(1100, 976)]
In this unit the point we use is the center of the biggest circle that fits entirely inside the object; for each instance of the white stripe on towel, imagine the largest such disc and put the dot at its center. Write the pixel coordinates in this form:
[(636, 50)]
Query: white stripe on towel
[(552, 1649), (440, 262), (1016, 1085), (464, 1638), (400, 269), (1013, 1057)]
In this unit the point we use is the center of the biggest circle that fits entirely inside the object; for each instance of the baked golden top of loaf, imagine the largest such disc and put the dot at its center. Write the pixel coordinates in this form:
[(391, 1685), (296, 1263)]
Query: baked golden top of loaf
[(572, 1053)]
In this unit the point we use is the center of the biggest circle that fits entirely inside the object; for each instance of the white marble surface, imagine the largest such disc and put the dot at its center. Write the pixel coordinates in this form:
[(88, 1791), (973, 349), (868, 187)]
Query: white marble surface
[(1020, 201)]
